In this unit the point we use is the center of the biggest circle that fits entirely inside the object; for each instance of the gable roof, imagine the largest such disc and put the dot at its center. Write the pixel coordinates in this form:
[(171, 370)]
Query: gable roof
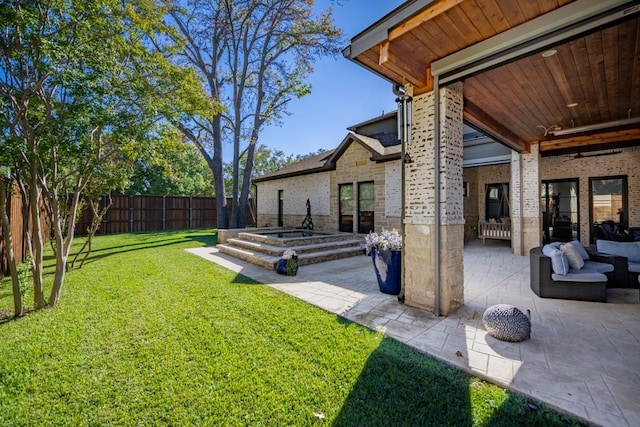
[(317, 163), (327, 161)]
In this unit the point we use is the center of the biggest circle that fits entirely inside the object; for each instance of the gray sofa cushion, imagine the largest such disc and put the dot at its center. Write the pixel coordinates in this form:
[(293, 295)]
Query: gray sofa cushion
[(631, 250), (599, 267), (573, 256), (559, 261), (578, 247), (634, 266), (580, 276)]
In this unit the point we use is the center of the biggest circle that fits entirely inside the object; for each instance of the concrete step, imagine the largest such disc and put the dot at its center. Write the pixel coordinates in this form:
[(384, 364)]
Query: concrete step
[(329, 255), (269, 261), (257, 258), (274, 250), (274, 240)]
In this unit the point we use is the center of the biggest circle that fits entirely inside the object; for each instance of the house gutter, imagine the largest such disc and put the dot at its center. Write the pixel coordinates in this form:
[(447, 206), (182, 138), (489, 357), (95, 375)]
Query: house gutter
[(436, 193)]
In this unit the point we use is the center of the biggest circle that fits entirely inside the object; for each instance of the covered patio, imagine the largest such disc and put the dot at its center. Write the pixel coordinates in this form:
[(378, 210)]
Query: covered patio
[(555, 81), (582, 357)]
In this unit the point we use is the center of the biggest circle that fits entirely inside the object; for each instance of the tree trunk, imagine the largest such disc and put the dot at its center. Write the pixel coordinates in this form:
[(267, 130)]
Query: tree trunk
[(217, 167), (96, 219), (37, 245), (63, 243), (18, 307), (246, 186)]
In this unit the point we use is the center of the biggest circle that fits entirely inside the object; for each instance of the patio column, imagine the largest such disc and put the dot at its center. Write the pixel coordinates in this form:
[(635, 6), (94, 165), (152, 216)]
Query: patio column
[(420, 220), (516, 204), (528, 216)]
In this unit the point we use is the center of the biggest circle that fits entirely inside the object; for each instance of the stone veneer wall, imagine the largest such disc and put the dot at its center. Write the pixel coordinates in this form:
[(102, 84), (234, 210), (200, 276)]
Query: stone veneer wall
[(515, 186), (626, 163), (353, 167), (531, 217), (296, 192), (419, 268)]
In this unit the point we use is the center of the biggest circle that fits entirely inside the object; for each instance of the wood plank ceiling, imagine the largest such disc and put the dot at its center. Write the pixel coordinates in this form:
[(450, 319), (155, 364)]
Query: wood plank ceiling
[(520, 102)]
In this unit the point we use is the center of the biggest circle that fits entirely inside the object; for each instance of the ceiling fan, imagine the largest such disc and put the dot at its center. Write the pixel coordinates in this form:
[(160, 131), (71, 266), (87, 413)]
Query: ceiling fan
[(607, 153)]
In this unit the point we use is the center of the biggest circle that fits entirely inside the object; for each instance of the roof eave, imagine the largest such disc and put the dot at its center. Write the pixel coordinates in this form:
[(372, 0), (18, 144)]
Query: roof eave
[(324, 168)]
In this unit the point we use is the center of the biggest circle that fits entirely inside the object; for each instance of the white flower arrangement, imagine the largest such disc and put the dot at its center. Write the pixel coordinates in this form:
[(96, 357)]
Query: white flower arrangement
[(289, 253), (386, 240)]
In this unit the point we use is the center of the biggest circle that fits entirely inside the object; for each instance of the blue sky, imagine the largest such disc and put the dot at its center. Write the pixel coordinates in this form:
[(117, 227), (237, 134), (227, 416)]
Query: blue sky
[(343, 93)]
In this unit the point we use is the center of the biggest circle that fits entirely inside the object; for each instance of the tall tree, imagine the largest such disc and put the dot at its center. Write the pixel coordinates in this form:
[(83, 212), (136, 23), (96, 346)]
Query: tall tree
[(253, 56), (169, 167), (72, 74)]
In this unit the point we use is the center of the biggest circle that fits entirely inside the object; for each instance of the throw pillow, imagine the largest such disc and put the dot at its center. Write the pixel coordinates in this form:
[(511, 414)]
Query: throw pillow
[(581, 250), (559, 261), (573, 256)]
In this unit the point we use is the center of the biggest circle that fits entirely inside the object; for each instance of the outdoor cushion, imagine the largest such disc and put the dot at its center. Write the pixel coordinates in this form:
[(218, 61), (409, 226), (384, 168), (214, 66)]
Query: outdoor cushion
[(578, 247), (559, 261), (573, 256), (600, 267), (630, 250), (580, 276), (634, 267)]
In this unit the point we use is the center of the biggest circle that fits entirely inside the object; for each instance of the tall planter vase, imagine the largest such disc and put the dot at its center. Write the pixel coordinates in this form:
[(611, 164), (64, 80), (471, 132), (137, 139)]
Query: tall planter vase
[(387, 265)]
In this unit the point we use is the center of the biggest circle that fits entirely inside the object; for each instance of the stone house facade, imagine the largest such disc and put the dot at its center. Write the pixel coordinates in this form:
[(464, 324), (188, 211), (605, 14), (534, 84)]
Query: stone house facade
[(352, 163), (353, 188)]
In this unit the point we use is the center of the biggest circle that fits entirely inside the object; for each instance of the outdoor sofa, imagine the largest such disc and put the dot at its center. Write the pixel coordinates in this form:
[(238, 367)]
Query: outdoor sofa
[(552, 277), (627, 261)]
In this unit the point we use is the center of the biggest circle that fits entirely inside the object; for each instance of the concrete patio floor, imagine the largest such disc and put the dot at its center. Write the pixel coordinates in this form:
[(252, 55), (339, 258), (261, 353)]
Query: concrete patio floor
[(583, 357)]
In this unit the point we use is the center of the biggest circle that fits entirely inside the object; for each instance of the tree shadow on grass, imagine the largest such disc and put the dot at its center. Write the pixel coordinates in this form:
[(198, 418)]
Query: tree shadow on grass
[(401, 387), (239, 279)]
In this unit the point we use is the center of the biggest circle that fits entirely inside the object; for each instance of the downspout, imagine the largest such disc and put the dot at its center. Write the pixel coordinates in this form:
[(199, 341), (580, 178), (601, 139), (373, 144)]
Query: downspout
[(436, 193), (404, 130)]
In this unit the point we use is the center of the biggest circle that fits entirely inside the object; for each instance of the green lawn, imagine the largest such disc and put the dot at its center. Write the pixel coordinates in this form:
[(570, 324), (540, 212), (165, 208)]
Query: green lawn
[(148, 334)]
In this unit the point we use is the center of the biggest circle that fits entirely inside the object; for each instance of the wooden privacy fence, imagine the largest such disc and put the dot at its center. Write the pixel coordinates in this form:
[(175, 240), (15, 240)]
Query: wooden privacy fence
[(128, 214), (19, 226)]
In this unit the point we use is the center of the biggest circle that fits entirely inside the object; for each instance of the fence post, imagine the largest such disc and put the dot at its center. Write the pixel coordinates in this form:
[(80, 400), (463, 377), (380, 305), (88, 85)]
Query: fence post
[(164, 213), (131, 212), (190, 212), (104, 217)]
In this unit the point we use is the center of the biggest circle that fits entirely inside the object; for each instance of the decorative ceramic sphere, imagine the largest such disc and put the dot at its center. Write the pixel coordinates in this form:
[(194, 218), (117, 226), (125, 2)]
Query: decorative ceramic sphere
[(507, 323)]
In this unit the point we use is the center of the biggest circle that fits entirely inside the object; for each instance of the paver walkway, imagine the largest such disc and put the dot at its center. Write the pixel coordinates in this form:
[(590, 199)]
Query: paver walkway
[(582, 358)]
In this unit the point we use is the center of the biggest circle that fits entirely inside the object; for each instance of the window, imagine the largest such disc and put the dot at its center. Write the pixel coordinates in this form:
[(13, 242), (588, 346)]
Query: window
[(608, 201), (560, 213), (497, 201), (366, 199), (346, 208), (280, 208)]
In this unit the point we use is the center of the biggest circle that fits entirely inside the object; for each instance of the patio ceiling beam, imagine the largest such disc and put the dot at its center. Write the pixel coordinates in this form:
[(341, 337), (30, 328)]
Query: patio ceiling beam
[(426, 15), (611, 137), (549, 29), (487, 124)]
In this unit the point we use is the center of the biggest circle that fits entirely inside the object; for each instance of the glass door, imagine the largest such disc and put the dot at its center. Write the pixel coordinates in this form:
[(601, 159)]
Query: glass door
[(608, 205), (280, 208), (366, 199), (346, 208), (560, 213)]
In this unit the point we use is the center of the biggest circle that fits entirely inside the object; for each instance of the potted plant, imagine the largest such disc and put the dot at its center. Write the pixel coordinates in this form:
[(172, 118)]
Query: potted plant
[(288, 264), (385, 250)]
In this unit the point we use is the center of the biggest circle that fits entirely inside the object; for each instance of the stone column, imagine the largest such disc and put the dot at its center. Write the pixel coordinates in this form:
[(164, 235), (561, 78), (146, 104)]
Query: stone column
[(531, 212), (515, 201), (419, 251)]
